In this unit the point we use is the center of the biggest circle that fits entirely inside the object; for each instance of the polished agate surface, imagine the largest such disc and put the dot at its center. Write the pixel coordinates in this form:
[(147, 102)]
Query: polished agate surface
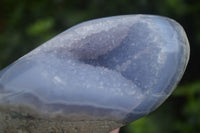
[(110, 69)]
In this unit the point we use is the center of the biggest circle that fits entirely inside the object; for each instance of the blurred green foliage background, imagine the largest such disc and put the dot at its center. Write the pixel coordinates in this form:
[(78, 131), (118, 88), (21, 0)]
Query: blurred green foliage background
[(25, 24)]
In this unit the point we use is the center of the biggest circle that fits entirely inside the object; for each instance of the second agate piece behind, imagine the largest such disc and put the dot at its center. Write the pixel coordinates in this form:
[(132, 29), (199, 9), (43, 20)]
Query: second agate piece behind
[(111, 69)]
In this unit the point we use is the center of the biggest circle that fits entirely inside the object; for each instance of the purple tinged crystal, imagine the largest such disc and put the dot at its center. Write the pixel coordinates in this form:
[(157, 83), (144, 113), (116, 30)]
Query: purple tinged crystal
[(111, 69)]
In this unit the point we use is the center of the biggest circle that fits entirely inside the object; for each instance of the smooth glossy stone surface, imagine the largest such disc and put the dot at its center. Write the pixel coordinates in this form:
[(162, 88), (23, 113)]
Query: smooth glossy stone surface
[(111, 69)]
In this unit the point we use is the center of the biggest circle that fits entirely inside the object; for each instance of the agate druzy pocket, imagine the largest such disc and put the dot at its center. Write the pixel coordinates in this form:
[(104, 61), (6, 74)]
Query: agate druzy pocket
[(110, 69)]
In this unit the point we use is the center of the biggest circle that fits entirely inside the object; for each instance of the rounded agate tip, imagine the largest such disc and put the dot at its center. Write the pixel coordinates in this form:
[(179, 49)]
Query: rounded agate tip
[(110, 69)]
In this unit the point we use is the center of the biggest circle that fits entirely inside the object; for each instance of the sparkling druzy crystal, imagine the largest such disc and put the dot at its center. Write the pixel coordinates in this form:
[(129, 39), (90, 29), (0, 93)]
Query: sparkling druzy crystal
[(114, 69)]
